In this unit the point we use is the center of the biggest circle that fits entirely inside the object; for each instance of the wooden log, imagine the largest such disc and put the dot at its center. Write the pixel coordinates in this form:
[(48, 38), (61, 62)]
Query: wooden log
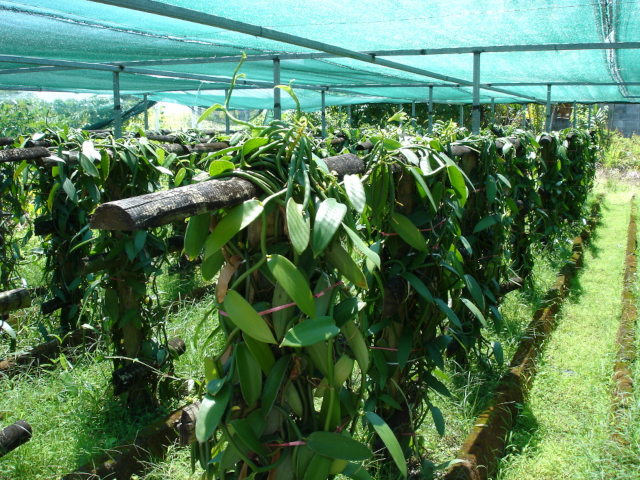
[(368, 145), (206, 147), (13, 436), (132, 458), (14, 300), (160, 208), (131, 375), (164, 138), (46, 352), (4, 141), (50, 306), (19, 154), (37, 143), (211, 133), (462, 150), (187, 425), (175, 148)]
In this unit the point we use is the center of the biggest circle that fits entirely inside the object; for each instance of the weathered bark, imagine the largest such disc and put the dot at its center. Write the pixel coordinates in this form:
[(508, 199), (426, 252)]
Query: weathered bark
[(164, 138), (174, 148), (132, 458), (368, 145), (206, 147), (13, 436), (160, 208), (19, 154), (4, 141), (131, 375), (14, 300), (37, 143), (48, 351), (187, 425), (54, 304)]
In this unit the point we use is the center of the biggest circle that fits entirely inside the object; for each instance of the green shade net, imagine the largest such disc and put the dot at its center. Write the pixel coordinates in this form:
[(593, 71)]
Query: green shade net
[(92, 32)]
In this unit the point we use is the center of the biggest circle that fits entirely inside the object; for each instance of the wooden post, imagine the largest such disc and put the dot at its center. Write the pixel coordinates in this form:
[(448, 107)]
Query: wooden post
[(13, 436)]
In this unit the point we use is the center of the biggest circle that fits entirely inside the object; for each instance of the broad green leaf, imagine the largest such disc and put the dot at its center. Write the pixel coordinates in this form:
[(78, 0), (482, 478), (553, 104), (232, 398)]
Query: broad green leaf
[(334, 445), (139, 239), (408, 232), (345, 310), (310, 332), (438, 419), (196, 234), (476, 292), (319, 468), (299, 228), (390, 441), (404, 347), (418, 178), (52, 195), (237, 219), (243, 315), (359, 243), (357, 472), (274, 381), (70, 189), (211, 265), (347, 267), (355, 191), (504, 180), (262, 353), (293, 282), (253, 143), (410, 156), (87, 165), (457, 182), (486, 222), (498, 353), (491, 189), (418, 286), (328, 218), (444, 308), (210, 413), (497, 317), (469, 304), (220, 166), (249, 372), (179, 176), (89, 151), (248, 436), (389, 143), (356, 341), (7, 328)]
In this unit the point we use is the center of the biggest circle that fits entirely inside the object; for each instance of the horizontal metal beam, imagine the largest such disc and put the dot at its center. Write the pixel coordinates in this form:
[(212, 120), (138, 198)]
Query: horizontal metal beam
[(201, 18)]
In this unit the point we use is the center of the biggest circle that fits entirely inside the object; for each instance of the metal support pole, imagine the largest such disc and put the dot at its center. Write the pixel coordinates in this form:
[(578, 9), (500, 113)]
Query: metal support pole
[(340, 117), (575, 115), (589, 121), (349, 115), (493, 110), (525, 109), (277, 108), (324, 115), (475, 115), (547, 125), (157, 122), (461, 124), (227, 122), (430, 109), (146, 113), (413, 113), (193, 117), (117, 114)]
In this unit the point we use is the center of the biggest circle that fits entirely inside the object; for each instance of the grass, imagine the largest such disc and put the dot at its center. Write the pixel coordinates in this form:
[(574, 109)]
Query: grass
[(564, 429), (622, 153)]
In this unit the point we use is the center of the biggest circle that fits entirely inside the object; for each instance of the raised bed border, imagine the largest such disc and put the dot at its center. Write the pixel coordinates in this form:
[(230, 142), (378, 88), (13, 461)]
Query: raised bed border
[(486, 442)]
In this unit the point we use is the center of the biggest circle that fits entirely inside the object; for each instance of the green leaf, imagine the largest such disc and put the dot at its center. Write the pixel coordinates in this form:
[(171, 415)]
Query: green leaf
[(262, 353), (87, 165), (139, 239), (7, 328), (420, 181), (319, 468), (237, 219), (491, 189), (347, 267), (359, 243), (253, 143), (355, 192), (389, 143), (418, 285), (328, 218), (220, 166), (498, 353), (476, 292), (243, 315), (357, 472), (457, 182), (469, 304), (444, 308), (310, 332), (210, 413), (196, 234), (334, 445), (250, 374), (497, 317), (438, 419), (486, 222), (70, 189), (504, 180), (390, 441), (404, 347), (345, 310), (274, 381), (408, 232), (179, 176), (299, 228), (248, 436), (293, 282), (211, 266)]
